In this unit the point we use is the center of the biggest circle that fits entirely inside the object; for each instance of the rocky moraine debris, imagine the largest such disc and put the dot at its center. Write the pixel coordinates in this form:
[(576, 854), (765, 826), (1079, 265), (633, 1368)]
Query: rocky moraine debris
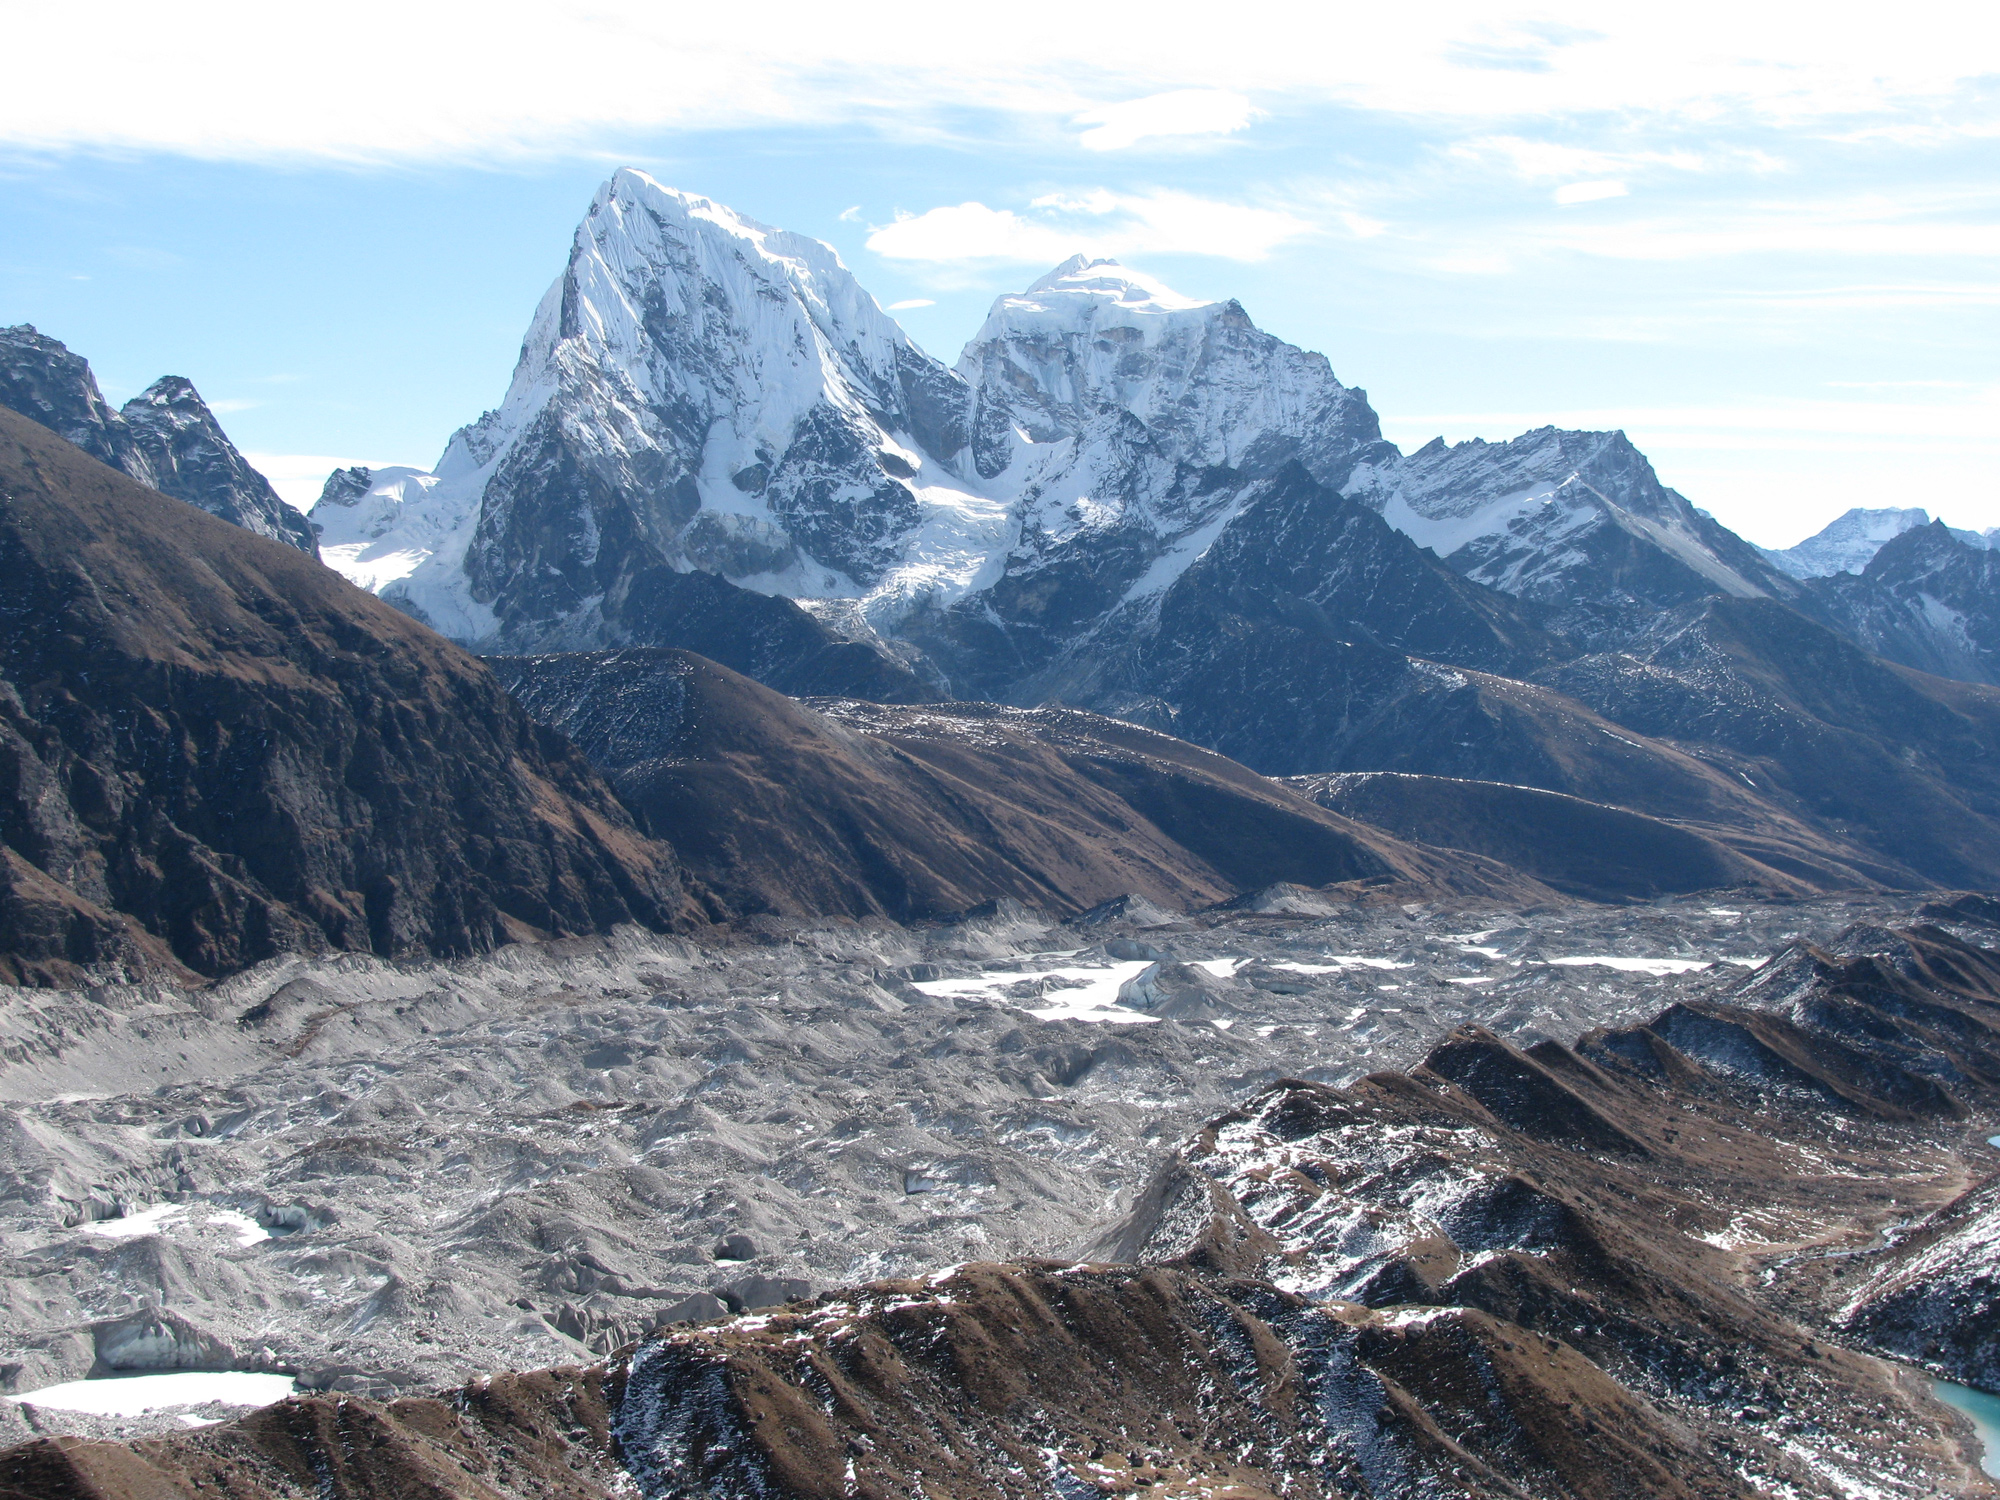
[(1518, 1268)]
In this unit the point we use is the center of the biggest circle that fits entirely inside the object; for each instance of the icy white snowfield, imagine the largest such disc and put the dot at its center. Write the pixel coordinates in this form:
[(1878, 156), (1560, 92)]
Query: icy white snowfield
[(377, 1178), (733, 388)]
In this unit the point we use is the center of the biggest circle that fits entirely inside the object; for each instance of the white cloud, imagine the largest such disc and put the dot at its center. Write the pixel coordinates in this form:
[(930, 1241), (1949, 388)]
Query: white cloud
[(1590, 192), (1098, 222), (1544, 161), (1178, 112), (400, 80), (971, 231), (910, 303)]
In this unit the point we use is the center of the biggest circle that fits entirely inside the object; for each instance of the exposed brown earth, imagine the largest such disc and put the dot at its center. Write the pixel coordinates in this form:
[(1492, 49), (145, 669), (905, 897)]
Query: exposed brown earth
[(845, 806), (212, 750), (543, 1435)]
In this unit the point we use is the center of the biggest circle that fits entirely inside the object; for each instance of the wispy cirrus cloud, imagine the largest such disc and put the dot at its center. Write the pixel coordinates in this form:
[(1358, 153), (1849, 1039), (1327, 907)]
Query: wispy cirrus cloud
[(1178, 114), (417, 80)]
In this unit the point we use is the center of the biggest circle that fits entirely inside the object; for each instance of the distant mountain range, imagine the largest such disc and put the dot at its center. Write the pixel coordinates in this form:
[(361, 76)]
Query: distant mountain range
[(701, 392), (1123, 501)]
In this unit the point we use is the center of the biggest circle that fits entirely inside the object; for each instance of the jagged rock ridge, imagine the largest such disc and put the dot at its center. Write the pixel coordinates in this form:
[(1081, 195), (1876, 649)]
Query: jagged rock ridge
[(1577, 521), (165, 437)]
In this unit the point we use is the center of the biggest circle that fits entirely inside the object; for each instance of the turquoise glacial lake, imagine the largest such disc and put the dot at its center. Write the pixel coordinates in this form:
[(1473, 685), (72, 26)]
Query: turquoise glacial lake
[(1983, 1409)]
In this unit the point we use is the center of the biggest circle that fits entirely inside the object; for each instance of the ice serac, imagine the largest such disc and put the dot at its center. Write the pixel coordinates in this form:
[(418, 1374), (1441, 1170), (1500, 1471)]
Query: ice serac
[(166, 437), (699, 392), (1574, 520)]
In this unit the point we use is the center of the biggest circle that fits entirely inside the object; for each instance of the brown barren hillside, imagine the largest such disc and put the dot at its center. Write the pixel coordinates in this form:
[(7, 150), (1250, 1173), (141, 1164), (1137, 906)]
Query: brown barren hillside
[(921, 811), (216, 749)]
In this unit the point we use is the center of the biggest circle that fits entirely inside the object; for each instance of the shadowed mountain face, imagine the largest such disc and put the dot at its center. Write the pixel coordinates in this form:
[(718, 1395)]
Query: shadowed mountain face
[(216, 750), (165, 437), (1301, 602), (865, 809), (1888, 760), (1625, 1268), (1929, 598)]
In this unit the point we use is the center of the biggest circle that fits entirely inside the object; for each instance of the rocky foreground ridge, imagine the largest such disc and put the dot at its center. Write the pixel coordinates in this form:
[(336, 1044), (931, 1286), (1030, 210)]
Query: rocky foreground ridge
[(1639, 1265)]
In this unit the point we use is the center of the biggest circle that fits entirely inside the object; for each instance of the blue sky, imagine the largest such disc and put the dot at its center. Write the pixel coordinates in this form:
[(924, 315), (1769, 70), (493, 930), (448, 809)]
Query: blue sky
[(1764, 241)]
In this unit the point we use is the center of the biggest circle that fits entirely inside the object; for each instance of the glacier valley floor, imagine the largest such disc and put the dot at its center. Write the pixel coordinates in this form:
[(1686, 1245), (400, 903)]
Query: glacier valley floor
[(381, 1178)]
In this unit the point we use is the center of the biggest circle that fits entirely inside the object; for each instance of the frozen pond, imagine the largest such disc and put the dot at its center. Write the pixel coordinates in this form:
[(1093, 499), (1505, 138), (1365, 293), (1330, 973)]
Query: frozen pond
[(135, 1395)]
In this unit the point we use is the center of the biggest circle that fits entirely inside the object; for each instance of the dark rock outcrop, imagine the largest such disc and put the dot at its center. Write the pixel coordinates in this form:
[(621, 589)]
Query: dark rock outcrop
[(216, 750)]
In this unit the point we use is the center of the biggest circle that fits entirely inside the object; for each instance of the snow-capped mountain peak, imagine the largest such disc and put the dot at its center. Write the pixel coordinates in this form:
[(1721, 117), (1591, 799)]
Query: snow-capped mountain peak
[(1081, 279), (701, 391), (1532, 516), (1093, 343), (375, 525), (1846, 544)]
